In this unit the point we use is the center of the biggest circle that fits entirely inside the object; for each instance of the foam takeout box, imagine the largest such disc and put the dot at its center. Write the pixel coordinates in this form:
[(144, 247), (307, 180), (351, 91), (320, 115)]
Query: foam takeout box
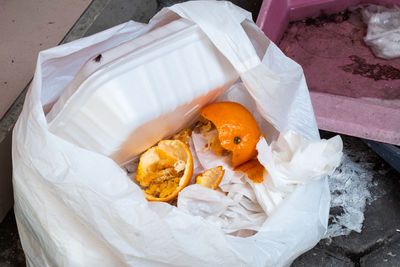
[(127, 98)]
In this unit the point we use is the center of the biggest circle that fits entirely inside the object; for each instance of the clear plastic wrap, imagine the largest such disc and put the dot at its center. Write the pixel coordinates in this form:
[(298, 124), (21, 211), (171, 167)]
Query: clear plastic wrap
[(383, 35)]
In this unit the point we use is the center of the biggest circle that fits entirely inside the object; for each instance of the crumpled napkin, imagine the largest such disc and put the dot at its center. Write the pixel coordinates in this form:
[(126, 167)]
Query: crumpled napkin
[(240, 204), (292, 161)]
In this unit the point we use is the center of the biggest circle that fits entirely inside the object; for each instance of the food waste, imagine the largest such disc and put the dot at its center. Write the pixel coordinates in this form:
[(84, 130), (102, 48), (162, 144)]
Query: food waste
[(231, 130)]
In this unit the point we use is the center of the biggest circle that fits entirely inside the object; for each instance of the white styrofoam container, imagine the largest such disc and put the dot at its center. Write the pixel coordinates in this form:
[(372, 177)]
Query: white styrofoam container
[(113, 105)]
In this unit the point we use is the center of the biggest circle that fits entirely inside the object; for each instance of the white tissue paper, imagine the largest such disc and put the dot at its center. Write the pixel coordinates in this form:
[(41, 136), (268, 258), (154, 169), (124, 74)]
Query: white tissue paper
[(290, 161), (383, 35), (77, 207)]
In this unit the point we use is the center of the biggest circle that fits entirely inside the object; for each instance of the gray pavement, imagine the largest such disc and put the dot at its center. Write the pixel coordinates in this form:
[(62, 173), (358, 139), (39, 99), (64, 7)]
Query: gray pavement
[(378, 244), (11, 253), (387, 255)]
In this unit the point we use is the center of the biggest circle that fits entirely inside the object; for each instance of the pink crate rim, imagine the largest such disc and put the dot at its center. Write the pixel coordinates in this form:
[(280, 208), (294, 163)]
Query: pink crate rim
[(351, 116)]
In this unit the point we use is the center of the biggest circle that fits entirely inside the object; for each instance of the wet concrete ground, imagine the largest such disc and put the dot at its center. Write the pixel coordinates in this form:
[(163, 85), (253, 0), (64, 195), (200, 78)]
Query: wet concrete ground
[(378, 244), (11, 253)]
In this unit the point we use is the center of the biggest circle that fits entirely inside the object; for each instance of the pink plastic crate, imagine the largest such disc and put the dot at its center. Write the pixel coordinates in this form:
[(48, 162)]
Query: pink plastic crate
[(352, 91)]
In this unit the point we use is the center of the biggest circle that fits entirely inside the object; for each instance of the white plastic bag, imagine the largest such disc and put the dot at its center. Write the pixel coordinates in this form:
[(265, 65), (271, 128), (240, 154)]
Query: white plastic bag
[(383, 35), (75, 207)]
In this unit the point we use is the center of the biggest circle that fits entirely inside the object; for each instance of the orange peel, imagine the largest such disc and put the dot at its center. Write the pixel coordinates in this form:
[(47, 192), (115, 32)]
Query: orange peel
[(164, 170), (211, 178), (253, 169), (238, 131)]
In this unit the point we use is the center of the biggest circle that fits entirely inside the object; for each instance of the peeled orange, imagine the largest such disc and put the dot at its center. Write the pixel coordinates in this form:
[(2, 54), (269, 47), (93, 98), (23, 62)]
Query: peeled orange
[(238, 131), (211, 178), (164, 170)]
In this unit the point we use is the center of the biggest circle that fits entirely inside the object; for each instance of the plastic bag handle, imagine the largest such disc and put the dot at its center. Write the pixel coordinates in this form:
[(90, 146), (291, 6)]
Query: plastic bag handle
[(221, 22), (232, 41)]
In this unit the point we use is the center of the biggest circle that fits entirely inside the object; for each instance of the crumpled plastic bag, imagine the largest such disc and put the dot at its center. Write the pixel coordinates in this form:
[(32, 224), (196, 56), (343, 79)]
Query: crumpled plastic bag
[(383, 35), (75, 207)]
